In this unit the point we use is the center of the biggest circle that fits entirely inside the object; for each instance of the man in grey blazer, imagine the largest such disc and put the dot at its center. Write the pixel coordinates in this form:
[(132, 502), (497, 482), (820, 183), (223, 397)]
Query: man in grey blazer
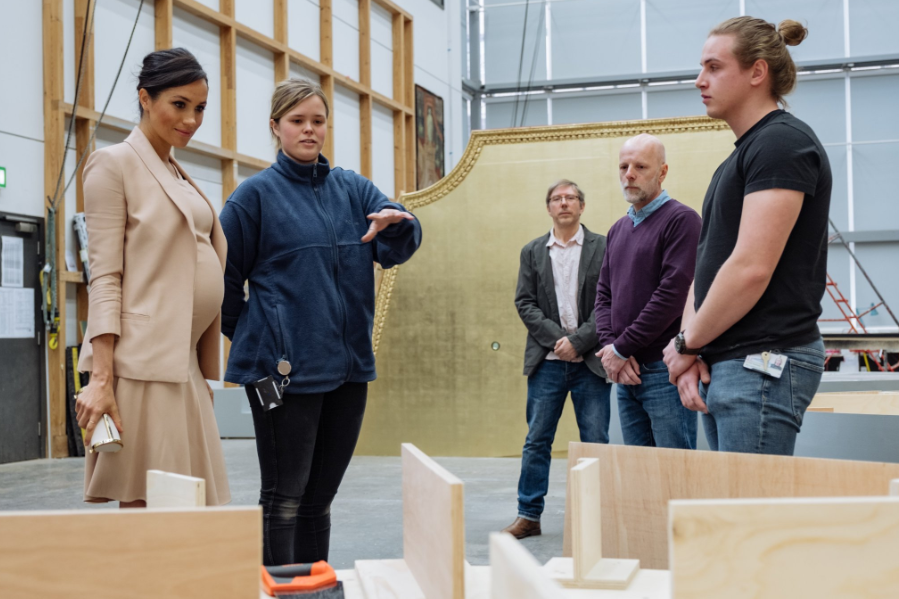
[(555, 300)]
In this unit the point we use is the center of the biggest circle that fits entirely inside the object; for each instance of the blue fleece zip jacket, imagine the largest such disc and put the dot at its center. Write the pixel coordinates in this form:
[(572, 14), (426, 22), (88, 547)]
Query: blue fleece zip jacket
[(294, 232)]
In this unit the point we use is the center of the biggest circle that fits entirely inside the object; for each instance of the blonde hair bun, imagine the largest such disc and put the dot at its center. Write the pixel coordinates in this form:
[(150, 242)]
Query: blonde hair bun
[(792, 32)]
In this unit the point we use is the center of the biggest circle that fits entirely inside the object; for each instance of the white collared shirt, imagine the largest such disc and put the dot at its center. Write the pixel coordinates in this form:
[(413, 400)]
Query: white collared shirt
[(566, 259)]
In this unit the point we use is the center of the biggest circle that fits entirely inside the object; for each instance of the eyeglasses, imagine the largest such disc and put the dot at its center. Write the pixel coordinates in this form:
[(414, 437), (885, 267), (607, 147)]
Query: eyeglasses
[(567, 198)]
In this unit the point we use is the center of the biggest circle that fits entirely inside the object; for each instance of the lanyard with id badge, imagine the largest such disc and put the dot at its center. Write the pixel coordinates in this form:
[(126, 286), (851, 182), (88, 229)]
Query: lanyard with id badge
[(767, 363), (270, 393)]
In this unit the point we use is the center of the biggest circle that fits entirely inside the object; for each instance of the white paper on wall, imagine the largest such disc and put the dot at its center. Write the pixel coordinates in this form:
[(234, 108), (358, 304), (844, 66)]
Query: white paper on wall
[(12, 262), (16, 313)]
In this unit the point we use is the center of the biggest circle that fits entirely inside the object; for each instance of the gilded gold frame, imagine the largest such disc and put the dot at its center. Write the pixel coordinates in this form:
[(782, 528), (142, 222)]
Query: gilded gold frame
[(481, 139)]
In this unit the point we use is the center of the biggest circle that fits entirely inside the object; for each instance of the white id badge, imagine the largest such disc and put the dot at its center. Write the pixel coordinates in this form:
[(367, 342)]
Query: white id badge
[(767, 363)]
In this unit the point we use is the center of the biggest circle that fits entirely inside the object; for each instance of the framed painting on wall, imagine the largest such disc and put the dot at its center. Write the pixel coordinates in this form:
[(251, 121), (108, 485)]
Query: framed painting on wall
[(429, 140)]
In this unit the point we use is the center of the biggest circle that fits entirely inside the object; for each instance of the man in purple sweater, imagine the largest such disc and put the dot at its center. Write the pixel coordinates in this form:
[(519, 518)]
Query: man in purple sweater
[(643, 285)]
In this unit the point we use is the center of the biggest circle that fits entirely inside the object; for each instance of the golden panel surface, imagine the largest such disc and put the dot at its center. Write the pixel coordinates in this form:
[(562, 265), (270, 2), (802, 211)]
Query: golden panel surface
[(449, 343)]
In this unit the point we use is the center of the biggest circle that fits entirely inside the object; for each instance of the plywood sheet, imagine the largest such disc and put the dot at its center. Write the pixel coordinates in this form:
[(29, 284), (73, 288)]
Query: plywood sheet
[(433, 526), (165, 489), (515, 573), (798, 548), (864, 402), (139, 554), (638, 483)]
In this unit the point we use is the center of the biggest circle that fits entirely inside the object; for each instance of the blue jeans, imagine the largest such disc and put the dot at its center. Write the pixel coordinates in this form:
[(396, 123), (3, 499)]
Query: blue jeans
[(652, 414), (548, 386), (751, 412)]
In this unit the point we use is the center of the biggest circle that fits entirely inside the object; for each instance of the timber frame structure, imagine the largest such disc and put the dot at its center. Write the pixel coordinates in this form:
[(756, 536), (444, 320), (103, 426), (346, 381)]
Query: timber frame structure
[(56, 110)]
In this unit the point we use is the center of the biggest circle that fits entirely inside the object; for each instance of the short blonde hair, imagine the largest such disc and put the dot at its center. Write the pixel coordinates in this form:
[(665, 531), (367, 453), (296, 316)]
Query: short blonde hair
[(288, 94)]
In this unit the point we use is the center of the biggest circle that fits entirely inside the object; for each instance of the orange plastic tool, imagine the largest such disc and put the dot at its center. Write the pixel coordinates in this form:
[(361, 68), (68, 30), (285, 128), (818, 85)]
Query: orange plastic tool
[(297, 578)]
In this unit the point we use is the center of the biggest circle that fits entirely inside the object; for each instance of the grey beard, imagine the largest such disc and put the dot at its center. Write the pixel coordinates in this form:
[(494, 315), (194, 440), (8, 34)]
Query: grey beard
[(635, 199)]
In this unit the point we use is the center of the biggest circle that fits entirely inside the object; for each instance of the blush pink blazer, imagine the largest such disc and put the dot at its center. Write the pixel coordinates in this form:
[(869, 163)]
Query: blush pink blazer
[(143, 254)]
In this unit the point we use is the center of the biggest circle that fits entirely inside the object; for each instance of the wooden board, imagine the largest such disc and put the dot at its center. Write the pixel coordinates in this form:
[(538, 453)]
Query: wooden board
[(588, 569), (608, 573), (515, 573), (862, 402), (139, 554), (586, 517), (798, 548), (433, 525), (638, 483), (387, 579), (165, 489)]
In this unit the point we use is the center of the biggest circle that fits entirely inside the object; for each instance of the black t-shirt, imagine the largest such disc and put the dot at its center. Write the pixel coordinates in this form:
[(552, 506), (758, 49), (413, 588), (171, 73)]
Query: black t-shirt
[(778, 152)]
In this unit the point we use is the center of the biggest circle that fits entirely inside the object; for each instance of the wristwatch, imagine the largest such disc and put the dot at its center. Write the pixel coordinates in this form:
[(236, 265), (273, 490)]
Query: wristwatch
[(680, 346)]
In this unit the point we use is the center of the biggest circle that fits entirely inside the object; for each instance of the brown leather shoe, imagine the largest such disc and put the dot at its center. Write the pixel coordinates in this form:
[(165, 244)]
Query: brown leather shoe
[(522, 527)]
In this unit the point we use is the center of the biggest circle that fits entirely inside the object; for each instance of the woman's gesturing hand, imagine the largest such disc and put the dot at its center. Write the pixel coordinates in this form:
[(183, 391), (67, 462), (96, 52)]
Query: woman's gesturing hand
[(95, 400), (383, 219)]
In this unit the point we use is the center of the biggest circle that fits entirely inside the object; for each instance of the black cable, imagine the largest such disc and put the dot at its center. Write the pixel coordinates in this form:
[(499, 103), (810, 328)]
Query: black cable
[(524, 33), (108, 98), (524, 111), (84, 42)]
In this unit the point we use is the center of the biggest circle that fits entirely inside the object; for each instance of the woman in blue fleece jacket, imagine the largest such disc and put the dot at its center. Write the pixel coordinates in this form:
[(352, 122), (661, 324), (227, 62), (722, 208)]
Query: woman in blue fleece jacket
[(305, 235)]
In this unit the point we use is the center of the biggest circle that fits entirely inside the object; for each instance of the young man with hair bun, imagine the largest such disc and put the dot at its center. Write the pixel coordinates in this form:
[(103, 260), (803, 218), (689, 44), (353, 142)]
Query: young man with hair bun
[(762, 257)]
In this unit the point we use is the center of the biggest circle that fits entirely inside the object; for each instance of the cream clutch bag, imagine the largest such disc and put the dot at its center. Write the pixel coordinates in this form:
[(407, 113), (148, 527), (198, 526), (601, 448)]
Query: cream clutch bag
[(106, 436)]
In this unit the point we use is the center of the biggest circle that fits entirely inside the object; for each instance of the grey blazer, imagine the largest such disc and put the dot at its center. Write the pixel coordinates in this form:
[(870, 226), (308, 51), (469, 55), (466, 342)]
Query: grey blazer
[(535, 299)]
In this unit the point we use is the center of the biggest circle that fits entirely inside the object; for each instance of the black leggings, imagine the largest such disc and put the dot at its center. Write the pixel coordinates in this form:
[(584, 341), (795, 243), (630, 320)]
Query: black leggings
[(304, 448)]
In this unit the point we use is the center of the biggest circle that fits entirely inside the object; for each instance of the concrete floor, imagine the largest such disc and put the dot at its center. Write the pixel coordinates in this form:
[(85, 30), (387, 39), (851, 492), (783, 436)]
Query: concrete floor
[(366, 516)]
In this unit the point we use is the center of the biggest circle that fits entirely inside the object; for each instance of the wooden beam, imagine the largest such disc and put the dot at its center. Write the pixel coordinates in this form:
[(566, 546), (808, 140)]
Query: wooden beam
[(820, 548), (281, 22), (228, 40), (365, 42), (229, 122), (71, 276), (399, 68), (282, 59), (399, 153), (408, 58), (54, 148), (226, 7), (327, 85), (83, 130), (282, 67), (164, 19), (307, 63), (257, 163), (326, 34), (176, 554), (365, 135), (223, 18), (86, 95), (411, 148), (638, 483), (392, 8), (89, 114), (229, 184), (260, 39)]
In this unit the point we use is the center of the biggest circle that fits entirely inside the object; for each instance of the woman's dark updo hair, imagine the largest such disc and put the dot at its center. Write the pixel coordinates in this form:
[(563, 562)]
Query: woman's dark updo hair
[(164, 69)]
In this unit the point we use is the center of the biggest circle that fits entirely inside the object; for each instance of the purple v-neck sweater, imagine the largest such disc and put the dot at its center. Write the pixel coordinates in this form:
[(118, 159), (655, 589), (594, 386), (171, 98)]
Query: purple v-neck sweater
[(645, 279)]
